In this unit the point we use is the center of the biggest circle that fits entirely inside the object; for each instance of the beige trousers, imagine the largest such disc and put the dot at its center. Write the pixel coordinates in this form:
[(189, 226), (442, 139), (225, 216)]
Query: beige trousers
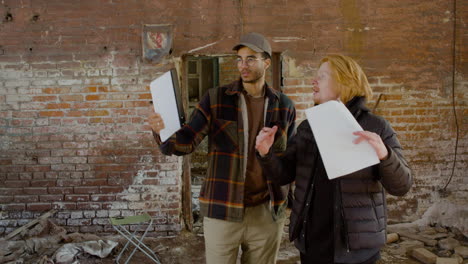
[(258, 236)]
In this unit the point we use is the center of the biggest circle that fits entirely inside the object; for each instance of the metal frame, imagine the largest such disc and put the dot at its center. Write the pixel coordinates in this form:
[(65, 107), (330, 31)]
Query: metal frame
[(133, 238)]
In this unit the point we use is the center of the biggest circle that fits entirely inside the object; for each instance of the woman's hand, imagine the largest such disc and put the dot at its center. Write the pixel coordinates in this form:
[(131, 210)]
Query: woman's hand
[(374, 140), (265, 139), (155, 120)]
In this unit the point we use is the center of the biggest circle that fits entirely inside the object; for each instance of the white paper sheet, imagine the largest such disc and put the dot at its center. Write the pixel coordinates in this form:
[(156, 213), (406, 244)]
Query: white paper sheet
[(333, 126), (164, 101)]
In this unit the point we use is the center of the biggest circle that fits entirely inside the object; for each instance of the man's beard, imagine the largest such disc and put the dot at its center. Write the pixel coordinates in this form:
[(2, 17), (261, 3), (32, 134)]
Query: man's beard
[(255, 78)]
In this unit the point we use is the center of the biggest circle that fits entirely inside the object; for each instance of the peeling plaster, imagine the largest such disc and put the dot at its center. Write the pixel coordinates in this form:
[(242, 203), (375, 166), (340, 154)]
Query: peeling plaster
[(444, 213), (354, 29), (203, 47), (287, 39), (298, 71), (448, 18)]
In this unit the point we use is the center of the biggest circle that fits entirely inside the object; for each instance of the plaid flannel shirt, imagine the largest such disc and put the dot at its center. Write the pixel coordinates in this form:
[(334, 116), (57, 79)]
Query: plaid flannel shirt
[(222, 115)]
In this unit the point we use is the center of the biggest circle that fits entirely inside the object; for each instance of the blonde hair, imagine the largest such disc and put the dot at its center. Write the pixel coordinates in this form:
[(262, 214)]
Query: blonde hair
[(350, 77)]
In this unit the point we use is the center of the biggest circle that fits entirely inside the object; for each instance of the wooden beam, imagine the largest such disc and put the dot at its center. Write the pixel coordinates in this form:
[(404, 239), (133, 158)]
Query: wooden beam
[(187, 194), (30, 224)]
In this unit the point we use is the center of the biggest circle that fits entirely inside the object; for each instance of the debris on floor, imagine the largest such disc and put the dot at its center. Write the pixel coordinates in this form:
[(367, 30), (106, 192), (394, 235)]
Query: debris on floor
[(41, 241), (69, 252), (423, 241), (427, 244)]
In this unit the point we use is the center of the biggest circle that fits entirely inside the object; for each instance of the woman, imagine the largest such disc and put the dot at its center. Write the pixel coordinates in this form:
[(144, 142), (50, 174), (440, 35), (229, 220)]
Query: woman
[(341, 220)]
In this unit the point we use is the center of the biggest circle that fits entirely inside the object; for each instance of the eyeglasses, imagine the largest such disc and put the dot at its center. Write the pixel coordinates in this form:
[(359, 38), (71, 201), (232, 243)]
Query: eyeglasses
[(250, 61)]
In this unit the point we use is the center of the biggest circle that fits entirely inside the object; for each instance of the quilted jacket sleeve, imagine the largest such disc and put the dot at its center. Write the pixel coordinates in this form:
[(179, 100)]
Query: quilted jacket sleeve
[(394, 172)]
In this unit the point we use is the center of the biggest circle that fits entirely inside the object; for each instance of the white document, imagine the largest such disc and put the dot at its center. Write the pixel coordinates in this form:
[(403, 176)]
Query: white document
[(333, 126), (164, 101)]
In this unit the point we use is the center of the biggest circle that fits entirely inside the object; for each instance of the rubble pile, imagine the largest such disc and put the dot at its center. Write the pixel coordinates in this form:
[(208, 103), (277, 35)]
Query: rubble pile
[(428, 244), (44, 239)]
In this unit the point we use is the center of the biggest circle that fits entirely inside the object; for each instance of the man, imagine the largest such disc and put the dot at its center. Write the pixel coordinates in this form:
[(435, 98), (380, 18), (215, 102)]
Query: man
[(240, 207)]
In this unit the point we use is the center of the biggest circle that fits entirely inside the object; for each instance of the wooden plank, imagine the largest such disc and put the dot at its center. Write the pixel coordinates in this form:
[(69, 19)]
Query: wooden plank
[(187, 194), (30, 224), (407, 234)]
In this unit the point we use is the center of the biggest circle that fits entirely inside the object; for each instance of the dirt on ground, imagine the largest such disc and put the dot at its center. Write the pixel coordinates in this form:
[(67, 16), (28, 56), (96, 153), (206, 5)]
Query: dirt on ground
[(40, 244), (189, 248)]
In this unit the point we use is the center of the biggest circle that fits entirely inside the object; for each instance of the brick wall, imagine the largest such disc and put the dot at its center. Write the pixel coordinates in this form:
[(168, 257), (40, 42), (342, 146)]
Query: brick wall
[(74, 93)]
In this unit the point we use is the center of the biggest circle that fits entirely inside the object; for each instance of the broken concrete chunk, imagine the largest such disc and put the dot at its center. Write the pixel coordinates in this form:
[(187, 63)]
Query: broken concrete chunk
[(440, 229), (424, 255), (458, 257), (448, 243), (408, 246), (462, 251), (444, 253), (446, 261), (427, 242)]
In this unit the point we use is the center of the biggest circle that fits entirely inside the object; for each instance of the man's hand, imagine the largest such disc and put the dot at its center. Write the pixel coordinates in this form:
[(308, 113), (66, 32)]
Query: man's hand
[(155, 120), (374, 140), (265, 139)]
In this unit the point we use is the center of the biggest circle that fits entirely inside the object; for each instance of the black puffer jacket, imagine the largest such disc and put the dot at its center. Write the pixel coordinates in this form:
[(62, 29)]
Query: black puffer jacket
[(360, 207)]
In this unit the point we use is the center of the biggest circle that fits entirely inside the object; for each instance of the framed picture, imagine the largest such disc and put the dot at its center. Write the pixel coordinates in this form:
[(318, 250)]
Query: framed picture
[(157, 42)]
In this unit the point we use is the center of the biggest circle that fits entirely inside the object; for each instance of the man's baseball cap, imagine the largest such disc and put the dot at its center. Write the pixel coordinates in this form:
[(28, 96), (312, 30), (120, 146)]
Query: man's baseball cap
[(254, 41)]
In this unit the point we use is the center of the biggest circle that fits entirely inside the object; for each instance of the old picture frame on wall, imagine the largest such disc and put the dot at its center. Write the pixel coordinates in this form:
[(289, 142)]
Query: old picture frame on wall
[(156, 42)]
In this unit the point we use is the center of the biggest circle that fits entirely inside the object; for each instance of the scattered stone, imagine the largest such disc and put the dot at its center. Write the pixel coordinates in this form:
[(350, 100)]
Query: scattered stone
[(448, 243), (428, 242), (427, 231), (407, 247), (424, 255), (440, 229), (438, 236), (458, 257), (444, 253), (462, 251), (446, 261), (393, 237)]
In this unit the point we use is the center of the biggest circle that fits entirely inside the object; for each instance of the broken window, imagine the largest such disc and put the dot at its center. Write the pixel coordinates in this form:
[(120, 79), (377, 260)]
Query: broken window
[(202, 74)]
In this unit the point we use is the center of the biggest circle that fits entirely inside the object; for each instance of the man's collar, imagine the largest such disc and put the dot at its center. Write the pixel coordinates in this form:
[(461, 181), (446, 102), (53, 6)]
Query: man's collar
[(237, 88)]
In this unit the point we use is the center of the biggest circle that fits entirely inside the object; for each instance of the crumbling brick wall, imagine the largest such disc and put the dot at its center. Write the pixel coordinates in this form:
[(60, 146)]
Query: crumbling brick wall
[(74, 93)]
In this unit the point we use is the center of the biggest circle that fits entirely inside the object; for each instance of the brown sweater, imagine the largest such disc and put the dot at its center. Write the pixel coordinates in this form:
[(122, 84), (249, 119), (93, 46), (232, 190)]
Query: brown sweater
[(256, 189)]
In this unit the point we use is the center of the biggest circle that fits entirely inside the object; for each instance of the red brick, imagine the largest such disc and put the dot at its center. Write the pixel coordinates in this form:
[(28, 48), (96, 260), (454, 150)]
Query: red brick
[(26, 198), (51, 198), (68, 182), (86, 189), (78, 222), (64, 206), (15, 184), (102, 198), (97, 113), (94, 182), (58, 106), (92, 229), (95, 97), (88, 206), (38, 168), (35, 190), (51, 113), (71, 98), (60, 190), (39, 207), (111, 189), (76, 197), (41, 98), (43, 183), (76, 145), (6, 162), (13, 207)]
